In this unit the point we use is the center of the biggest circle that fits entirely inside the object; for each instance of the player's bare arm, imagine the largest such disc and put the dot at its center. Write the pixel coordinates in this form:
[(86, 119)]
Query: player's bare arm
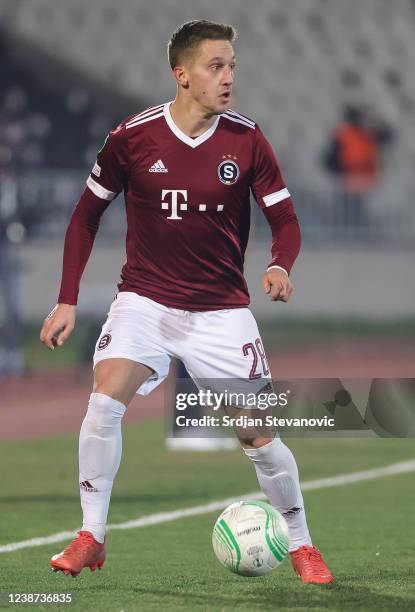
[(58, 325), (276, 284)]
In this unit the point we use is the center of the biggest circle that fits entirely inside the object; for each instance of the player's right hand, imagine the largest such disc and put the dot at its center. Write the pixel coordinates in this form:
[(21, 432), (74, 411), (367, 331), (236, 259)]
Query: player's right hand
[(58, 325)]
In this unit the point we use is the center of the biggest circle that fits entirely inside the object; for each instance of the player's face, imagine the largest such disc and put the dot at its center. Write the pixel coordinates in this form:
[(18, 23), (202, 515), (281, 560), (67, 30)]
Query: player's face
[(210, 75)]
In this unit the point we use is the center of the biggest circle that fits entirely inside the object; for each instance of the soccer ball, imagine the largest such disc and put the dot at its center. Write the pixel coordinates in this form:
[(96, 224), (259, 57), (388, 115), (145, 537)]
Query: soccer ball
[(250, 538)]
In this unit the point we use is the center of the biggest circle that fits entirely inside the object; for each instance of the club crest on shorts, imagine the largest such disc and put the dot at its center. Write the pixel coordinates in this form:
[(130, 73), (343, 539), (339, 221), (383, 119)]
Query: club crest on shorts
[(228, 172), (104, 341)]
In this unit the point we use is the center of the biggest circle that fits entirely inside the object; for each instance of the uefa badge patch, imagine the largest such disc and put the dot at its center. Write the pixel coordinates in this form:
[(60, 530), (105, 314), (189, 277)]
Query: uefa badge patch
[(228, 172)]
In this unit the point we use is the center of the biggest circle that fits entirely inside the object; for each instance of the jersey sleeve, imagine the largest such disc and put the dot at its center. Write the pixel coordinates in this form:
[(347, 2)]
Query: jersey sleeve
[(109, 174), (275, 201), (108, 177), (79, 239), (267, 183)]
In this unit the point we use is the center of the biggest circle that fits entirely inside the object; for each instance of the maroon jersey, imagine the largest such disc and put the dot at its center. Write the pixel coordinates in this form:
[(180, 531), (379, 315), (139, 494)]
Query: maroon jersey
[(188, 209)]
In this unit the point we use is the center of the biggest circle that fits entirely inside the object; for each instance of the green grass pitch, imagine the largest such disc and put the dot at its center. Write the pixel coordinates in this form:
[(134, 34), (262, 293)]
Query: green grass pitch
[(364, 530)]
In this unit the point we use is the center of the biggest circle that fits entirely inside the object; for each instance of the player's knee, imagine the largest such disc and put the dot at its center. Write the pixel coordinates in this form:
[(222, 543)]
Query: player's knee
[(110, 389), (253, 441), (107, 383), (104, 412), (115, 381)]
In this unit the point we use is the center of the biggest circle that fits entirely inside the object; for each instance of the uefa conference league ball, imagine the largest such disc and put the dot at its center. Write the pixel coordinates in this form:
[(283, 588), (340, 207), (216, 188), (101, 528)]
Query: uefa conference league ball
[(250, 538)]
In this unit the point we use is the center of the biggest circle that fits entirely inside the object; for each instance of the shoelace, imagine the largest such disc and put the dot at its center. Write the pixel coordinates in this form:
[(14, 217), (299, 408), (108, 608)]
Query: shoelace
[(80, 543), (313, 557)]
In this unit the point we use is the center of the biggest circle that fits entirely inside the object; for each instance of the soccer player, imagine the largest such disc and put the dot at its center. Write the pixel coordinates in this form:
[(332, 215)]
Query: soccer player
[(186, 168)]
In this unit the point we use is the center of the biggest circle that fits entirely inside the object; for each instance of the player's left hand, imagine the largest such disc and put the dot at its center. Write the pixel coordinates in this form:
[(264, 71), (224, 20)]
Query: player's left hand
[(277, 285)]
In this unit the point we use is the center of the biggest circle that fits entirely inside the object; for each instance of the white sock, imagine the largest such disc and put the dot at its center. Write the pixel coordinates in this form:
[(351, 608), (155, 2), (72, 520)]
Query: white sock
[(100, 445), (277, 474)]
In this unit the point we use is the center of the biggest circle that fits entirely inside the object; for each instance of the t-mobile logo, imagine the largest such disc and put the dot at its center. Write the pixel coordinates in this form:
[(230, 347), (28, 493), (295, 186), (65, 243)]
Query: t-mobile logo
[(176, 206)]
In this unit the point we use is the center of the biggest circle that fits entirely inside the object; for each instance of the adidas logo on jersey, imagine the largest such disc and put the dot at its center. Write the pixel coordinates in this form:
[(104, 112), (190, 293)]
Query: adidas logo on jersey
[(158, 167)]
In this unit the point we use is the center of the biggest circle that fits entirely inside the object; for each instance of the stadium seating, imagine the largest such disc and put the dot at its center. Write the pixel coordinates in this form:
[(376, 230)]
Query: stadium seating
[(299, 63)]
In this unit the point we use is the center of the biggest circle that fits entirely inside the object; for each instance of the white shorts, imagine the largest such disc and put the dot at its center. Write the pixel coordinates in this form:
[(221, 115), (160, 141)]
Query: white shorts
[(216, 344)]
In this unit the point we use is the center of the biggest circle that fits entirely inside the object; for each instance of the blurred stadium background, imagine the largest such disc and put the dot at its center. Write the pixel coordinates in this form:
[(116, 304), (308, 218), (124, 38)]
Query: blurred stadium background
[(69, 72)]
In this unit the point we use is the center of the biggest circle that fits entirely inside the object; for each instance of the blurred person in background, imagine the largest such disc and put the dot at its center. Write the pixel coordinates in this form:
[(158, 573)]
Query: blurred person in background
[(354, 157)]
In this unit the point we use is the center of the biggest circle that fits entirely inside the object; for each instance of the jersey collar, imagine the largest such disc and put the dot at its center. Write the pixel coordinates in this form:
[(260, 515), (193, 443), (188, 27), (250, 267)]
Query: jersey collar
[(192, 142)]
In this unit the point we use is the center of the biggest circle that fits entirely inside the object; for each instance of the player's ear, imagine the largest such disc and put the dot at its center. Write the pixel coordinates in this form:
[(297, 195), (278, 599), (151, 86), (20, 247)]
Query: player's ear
[(180, 74)]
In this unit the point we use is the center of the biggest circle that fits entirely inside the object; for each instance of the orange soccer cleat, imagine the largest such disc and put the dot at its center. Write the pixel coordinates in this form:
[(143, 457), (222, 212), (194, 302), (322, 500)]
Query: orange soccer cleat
[(83, 551), (309, 564)]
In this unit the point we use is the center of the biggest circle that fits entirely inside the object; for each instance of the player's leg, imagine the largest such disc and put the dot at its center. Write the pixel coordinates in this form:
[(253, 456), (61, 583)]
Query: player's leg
[(100, 442), (277, 474), (126, 360), (100, 446), (276, 470), (120, 378), (231, 349), (232, 356)]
